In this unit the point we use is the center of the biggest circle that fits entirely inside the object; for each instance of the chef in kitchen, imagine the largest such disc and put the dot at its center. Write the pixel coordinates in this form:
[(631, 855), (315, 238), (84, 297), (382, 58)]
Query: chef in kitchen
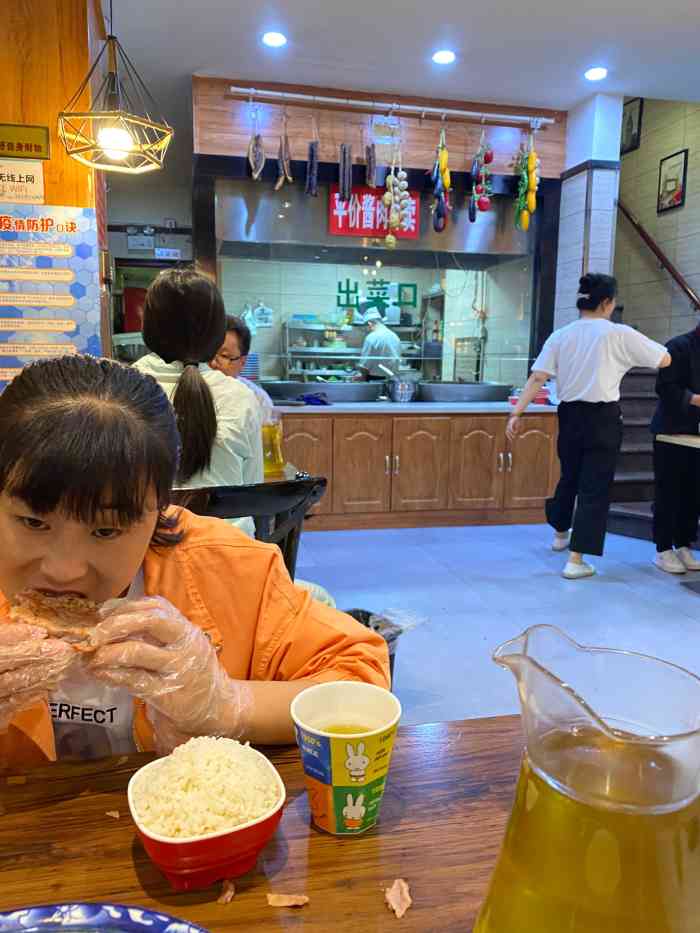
[(381, 346)]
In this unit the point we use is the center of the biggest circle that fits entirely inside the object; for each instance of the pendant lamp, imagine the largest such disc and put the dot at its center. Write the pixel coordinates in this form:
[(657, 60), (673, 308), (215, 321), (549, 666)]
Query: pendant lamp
[(123, 131)]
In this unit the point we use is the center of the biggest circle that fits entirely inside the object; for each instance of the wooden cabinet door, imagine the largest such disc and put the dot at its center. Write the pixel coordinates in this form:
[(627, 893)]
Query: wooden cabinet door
[(361, 465), (420, 464), (477, 462), (308, 445), (531, 463)]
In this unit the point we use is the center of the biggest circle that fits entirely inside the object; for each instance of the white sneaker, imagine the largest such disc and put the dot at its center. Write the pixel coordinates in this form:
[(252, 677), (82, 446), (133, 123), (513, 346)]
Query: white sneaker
[(561, 540), (574, 571), (687, 558), (670, 562)]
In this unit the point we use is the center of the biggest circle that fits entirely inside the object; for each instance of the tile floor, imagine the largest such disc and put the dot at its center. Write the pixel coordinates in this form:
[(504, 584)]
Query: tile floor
[(475, 587)]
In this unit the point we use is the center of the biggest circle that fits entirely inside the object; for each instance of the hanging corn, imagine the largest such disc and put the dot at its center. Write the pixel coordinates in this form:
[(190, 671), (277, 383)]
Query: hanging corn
[(528, 171)]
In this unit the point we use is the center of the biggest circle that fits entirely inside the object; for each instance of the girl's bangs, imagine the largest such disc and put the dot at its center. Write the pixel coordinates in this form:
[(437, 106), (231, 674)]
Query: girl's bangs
[(87, 473)]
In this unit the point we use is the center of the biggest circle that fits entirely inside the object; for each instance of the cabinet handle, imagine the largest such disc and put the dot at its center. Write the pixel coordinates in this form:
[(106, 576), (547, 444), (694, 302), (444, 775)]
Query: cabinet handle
[(397, 464), (510, 462), (387, 465), (500, 463)]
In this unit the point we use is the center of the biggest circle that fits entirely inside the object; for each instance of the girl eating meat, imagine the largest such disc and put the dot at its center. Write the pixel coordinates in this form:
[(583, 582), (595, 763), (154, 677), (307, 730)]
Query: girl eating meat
[(191, 629)]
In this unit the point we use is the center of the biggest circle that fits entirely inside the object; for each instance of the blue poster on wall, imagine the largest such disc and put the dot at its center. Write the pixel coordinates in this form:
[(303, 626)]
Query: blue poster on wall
[(49, 284)]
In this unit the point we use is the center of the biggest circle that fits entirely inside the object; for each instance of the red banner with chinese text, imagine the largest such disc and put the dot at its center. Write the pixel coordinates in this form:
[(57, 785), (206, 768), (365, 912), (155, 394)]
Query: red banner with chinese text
[(365, 215)]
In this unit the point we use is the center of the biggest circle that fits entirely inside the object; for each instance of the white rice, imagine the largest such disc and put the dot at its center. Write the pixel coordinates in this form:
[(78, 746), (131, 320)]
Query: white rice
[(205, 786)]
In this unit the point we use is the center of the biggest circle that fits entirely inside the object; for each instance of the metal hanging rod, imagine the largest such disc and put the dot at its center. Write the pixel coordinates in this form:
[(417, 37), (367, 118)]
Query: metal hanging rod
[(533, 121)]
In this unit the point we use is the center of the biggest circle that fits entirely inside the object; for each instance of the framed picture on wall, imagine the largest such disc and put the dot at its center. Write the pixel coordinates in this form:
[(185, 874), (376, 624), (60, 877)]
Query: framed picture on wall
[(673, 171), (631, 125)]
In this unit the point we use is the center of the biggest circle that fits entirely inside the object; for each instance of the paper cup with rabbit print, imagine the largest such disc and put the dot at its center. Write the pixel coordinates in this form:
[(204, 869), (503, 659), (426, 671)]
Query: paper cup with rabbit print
[(346, 733)]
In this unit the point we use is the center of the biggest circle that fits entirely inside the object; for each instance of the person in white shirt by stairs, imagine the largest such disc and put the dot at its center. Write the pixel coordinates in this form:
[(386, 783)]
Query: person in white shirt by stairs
[(588, 359)]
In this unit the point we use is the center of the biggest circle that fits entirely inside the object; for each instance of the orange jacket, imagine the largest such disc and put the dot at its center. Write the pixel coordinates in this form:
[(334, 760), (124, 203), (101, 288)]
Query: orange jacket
[(264, 628)]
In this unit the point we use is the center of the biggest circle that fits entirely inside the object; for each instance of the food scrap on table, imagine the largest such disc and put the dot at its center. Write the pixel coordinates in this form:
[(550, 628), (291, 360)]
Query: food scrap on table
[(398, 897), (228, 892), (287, 900), (115, 814)]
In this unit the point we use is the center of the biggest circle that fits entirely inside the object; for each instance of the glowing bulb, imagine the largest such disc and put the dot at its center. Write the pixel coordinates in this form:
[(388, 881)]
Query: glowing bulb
[(116, 142), (274, 40), (444, 57), (596, 74), (378, 264)]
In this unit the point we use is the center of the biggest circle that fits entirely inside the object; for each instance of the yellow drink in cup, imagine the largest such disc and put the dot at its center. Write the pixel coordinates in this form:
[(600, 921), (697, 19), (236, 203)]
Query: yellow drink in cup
[(345, 731)]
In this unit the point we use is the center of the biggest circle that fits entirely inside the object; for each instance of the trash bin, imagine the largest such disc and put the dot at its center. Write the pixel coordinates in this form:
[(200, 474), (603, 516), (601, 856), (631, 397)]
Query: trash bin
[(384, 626)]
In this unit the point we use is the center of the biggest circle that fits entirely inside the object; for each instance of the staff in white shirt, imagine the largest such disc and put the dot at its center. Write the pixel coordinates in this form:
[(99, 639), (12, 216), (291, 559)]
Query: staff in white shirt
[(381, 345), (589, 359)]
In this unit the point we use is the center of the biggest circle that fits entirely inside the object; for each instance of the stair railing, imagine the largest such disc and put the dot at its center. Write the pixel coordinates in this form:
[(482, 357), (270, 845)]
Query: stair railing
[(672, 270)]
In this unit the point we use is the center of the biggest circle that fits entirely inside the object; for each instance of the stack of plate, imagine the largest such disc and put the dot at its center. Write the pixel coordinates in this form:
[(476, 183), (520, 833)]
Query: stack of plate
[(251, 370)]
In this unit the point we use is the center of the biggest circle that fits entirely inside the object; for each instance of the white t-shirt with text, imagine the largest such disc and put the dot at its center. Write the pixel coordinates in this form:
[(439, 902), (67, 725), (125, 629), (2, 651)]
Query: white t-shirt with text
[(92, 719), (589, 358)]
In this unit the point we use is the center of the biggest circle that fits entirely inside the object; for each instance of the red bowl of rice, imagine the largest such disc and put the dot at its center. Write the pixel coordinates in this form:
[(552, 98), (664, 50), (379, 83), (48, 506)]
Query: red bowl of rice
[(205, 812)]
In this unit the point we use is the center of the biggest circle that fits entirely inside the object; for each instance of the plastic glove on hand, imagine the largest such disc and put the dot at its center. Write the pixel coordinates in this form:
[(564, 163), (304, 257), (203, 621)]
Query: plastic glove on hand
[(31, 664), (147, 646)]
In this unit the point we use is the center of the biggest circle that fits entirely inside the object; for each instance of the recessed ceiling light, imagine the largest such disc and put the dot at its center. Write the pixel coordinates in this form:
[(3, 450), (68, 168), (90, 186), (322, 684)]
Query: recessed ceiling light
[(281, 216), (275, 40), (596, 74), (444, 57)]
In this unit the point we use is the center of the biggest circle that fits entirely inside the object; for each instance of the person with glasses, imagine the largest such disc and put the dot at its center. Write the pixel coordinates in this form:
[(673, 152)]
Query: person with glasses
[(232, 357)]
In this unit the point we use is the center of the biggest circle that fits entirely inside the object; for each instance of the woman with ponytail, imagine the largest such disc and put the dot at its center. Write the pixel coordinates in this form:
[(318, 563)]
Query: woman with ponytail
[(588, 358), (184, 324)]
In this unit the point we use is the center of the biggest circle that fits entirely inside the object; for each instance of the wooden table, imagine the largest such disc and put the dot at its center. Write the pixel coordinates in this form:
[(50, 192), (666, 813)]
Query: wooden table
[(448, 797)]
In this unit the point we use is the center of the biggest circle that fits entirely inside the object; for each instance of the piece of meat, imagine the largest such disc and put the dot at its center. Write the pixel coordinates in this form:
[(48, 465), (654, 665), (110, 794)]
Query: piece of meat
[(256, 156), (70, 618), (398, 897), (287, 900), (228, 892), (371, 159), (281, 174), (114, 814), (311, 186)]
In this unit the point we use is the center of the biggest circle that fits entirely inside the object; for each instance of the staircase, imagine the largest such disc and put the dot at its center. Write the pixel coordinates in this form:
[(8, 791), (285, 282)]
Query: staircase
[(633, 488)]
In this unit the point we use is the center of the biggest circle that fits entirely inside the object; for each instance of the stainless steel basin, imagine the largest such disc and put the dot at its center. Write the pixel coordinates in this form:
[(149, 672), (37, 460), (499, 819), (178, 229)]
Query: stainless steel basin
[(463, 392), (334, 391)]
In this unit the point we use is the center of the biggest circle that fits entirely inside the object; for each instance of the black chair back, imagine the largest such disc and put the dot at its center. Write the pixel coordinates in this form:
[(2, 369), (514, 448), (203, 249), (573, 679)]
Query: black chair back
[(278, 509)]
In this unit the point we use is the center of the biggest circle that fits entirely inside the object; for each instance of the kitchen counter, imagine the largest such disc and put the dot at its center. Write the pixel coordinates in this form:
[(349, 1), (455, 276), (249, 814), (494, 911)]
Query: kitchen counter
[(411, 408)]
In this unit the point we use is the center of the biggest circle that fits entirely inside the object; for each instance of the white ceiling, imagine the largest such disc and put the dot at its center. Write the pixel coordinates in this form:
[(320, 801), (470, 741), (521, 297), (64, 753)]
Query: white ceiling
[(520, 53)]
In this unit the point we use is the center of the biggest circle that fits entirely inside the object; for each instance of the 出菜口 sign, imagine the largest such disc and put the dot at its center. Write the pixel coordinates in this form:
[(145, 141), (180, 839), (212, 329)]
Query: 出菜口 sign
[(22, 141)]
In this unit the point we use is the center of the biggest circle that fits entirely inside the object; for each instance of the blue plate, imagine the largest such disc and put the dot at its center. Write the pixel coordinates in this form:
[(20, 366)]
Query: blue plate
[(92, 918)]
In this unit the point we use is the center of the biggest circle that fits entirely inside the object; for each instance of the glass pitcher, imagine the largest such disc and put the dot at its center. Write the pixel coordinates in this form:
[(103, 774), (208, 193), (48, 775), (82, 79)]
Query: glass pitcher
[(604, 836), (273, 459)]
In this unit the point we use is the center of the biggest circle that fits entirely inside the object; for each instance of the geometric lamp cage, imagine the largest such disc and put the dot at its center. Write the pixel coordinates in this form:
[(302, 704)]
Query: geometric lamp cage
[(123, 131)]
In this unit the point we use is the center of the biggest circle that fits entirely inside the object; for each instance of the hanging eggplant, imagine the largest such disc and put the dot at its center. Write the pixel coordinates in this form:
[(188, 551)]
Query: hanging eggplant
[(345, 172), (472, 208), (311, 185), (371, 173)]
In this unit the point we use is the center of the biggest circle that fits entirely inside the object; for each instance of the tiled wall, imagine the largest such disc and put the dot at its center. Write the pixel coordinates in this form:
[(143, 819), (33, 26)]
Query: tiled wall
[(508, 302), (587, 224), (652, 301), (297, 288)]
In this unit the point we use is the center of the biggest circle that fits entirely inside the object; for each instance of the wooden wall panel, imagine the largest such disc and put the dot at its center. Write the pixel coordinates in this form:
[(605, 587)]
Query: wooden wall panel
[(44, 59), (223, 125)]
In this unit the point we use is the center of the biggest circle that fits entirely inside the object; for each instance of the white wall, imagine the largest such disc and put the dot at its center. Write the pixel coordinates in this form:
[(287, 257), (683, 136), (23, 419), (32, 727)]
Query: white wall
[(143, 200), (652, 301)]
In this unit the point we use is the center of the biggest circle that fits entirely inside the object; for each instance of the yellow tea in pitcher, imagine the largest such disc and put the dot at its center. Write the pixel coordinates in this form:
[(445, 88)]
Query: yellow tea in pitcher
[(569, 866), (273, 461)]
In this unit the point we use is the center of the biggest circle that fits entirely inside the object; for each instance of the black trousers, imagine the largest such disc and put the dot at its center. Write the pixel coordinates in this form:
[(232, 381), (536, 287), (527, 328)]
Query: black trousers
[(676, 495), (590, 435)]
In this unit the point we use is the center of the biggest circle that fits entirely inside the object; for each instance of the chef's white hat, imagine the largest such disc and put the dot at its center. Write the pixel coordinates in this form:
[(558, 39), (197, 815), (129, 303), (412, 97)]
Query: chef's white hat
[(373, 315)]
